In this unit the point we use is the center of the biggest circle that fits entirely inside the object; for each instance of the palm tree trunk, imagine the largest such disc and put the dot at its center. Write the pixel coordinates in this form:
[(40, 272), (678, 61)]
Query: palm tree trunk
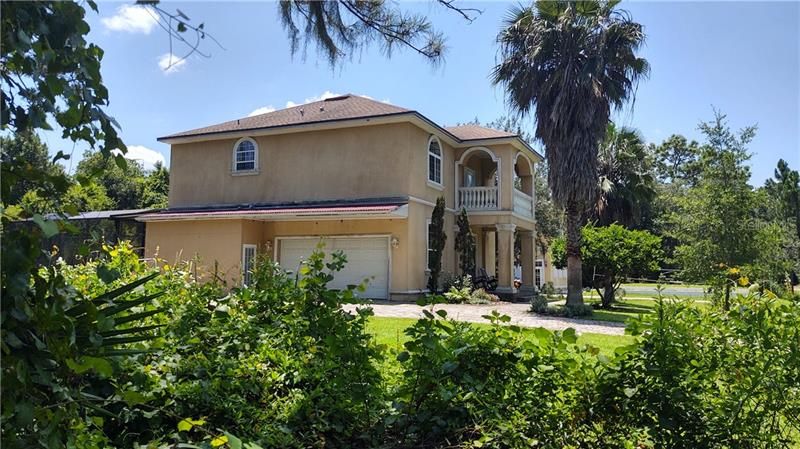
[(574, 267)]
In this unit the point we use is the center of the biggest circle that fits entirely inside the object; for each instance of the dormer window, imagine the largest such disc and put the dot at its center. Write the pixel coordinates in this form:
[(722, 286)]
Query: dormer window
[(434, 161), (245, 156)]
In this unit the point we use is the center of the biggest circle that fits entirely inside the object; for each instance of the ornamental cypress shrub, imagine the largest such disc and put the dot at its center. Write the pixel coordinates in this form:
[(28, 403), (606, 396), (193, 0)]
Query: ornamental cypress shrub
[(465, 244), (437, 239)]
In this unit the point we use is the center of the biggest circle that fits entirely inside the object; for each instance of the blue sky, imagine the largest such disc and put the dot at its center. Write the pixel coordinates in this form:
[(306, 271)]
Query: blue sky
[(742, 58)]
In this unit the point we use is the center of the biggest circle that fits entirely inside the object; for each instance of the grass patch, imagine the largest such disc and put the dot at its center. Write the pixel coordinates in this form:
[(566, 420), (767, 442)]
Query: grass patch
[(667, 285), (390, 332), (631, 307)]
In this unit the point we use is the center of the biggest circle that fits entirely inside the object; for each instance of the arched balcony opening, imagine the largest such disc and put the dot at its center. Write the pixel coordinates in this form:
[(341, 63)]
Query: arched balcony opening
[(478, 180), (523, 185)]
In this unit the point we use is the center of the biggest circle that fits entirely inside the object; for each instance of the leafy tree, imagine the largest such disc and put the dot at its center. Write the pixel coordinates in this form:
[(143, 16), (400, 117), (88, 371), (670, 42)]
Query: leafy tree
[(34, 203), (89, 197), (716, 227), (612, 253), (676, 160), (465, 244), (436, 239), (785, 188), (549, 217), (627, 183), (570, 63), (29, 155), (49, 71), (123, 185), (155, 191), (778, 255), (56, 360), (677, 167)]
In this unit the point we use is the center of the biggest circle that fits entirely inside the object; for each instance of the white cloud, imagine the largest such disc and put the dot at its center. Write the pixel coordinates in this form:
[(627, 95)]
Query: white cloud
[(323, 96), (261, 110), (170, 63), (145, 155), (131, 19)]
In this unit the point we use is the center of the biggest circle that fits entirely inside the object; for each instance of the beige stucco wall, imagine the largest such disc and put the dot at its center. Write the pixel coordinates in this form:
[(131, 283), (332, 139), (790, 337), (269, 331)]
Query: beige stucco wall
[(363, 162), (221, 241), (418, 185), (205, 241), (369, 161)]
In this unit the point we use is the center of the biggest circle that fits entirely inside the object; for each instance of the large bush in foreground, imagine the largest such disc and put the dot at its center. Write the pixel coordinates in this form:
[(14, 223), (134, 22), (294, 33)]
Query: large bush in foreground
[(279, 364), (711, 379)]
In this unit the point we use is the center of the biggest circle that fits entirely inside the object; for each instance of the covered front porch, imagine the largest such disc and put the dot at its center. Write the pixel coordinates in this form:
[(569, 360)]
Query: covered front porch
[(507, 251)]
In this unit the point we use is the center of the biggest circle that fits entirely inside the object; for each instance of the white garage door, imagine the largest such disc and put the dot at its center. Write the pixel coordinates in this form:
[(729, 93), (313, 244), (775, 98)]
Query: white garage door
[(367, 258)]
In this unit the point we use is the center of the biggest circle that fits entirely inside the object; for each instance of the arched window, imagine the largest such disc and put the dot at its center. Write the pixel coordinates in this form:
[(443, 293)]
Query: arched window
[(434, 161), (245, 155)]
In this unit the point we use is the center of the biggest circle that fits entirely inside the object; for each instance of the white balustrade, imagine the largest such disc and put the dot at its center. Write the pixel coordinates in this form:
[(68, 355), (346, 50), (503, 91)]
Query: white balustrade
[(523, 203), (478, 198)]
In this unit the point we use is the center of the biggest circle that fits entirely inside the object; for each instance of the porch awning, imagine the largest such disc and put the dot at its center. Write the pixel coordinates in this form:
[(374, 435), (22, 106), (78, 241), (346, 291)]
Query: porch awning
[(286, 213)]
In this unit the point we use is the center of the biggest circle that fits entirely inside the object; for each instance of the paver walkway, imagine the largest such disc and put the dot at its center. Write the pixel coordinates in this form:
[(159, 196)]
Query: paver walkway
[(520, 315)]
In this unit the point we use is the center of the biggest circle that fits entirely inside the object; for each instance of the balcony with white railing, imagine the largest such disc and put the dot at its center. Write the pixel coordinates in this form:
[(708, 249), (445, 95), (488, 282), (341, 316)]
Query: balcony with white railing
[(478, 198), (523, 203)]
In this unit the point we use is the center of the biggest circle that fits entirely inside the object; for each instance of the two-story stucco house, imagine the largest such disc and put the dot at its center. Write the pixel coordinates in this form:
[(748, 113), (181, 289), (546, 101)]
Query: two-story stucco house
[(361, 173)]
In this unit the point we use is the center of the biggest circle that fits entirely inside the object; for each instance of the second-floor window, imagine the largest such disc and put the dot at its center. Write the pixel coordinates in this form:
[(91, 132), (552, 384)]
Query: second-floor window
[(434, 161), (245, 156)]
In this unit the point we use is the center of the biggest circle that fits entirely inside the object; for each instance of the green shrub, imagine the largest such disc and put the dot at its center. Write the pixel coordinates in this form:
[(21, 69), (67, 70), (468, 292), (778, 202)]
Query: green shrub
[(465, 385), (710, 378), (481, 296), (548, 289), (279, 364), (539, 304), (450, 280), (63, 350), (458, 295)]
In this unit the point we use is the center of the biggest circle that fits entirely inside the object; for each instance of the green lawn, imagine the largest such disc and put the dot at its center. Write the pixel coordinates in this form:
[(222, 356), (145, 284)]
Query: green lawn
[(665, 284), (593, 296), (389, 332), (630, 307)]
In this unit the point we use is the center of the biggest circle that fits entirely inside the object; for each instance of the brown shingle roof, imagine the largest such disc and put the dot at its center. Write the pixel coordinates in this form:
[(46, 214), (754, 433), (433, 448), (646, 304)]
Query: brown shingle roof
[(337, 108), (475, 132), (344, 107)]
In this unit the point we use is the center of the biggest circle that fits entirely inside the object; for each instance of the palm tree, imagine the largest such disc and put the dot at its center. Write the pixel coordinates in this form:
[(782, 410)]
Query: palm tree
[(627, 184), (570, 63)]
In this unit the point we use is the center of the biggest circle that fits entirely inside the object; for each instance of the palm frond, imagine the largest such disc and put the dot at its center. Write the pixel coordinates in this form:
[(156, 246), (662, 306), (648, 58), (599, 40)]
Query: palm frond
[(570, 63)]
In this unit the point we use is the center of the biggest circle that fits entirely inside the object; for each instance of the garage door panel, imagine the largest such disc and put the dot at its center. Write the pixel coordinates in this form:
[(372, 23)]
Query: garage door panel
[(367, 259)]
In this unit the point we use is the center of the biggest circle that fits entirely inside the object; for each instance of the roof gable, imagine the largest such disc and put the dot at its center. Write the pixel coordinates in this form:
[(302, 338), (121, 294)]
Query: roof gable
[(475, 132)]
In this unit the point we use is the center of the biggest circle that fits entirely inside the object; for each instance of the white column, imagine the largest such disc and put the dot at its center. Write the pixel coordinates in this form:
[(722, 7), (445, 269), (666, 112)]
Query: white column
[(489, 241)]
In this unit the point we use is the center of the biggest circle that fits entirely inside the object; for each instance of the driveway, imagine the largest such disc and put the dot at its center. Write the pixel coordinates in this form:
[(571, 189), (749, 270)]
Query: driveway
[(520, 315)]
